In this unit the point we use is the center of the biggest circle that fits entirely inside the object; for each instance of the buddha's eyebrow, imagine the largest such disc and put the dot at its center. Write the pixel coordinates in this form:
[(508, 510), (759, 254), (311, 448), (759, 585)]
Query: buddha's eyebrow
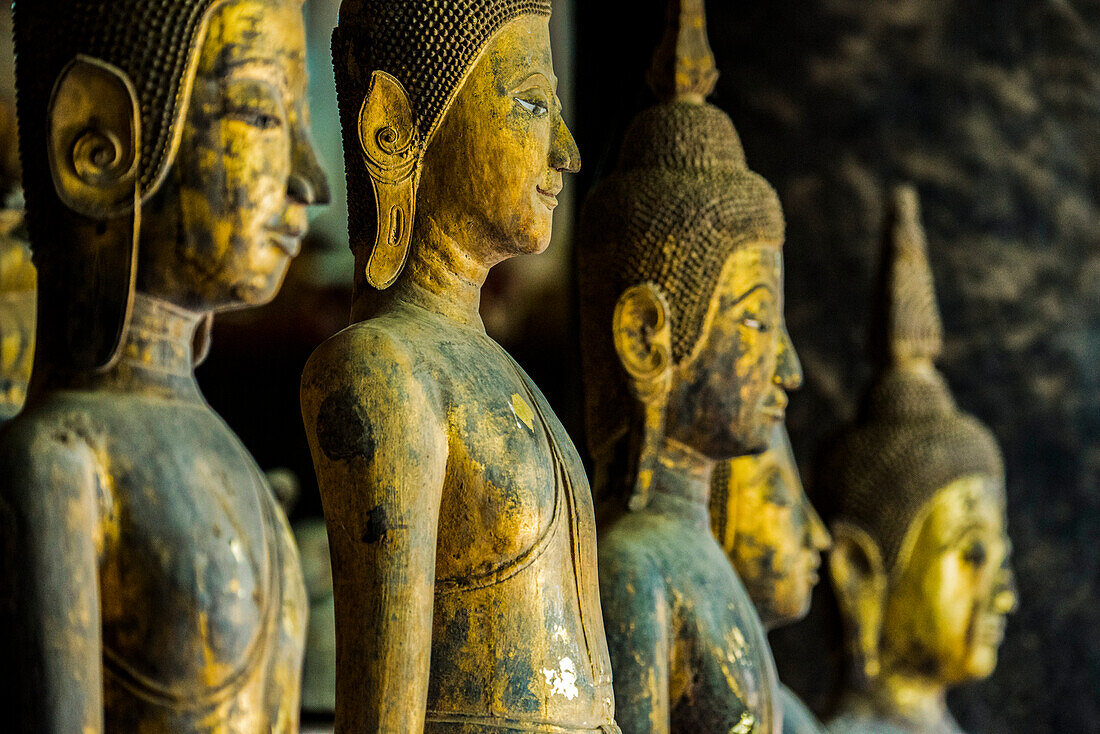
[(973, 525), (551, 81), (759, 286), (264, 69)]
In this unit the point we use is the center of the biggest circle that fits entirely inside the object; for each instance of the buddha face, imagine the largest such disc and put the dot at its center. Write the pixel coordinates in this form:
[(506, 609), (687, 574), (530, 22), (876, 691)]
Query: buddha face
[(494, 169), (726, 398), (776, 538), (945, 611), (226, 224)]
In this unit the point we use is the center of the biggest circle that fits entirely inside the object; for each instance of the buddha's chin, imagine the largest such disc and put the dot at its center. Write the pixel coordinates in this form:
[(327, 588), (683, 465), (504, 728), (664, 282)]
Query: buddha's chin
[(982, 660)]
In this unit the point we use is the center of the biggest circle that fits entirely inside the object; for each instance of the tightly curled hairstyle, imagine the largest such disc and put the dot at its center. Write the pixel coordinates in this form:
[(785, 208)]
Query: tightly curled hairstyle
[(681, 201), (155, 43), (150, 49), (910, 440), (429, 46)]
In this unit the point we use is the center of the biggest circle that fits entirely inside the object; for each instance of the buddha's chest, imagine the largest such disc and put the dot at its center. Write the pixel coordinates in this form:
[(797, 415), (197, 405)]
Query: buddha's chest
[(506, 452), (191, 562), (726, 660)]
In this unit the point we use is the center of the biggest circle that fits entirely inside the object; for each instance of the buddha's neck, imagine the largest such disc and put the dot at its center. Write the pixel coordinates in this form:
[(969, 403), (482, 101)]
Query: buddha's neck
[(441, 276), (681, 483), (914, 703), (157, 353)]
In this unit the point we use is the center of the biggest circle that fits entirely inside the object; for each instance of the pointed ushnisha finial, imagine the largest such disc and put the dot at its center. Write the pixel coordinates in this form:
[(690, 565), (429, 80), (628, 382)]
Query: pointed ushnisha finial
[(913, 330), (683, 67)]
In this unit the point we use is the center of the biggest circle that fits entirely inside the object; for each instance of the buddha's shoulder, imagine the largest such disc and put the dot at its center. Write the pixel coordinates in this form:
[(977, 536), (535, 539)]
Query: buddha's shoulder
[(374, 349), (48, 444), (632, 545), (373, 365)]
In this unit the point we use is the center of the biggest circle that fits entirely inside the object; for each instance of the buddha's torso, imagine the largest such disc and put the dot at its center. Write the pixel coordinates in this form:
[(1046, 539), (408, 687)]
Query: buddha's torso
[(517, 638), (664, 578), (202, 602)]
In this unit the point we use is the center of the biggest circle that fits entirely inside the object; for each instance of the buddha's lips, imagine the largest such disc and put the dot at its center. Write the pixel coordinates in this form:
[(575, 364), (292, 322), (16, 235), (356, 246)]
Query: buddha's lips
[(288, 240), (990, 629), (549, 198)]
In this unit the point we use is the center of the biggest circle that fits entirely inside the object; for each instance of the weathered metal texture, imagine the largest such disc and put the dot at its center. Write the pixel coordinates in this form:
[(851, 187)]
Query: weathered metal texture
[(914, 492), (149, 580), (687, 361), (460, 520), (774, 538)]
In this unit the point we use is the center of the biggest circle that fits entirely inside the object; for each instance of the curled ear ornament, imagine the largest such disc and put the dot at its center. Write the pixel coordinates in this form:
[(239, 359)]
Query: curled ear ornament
[(859, 577), (94, 148), (392, 153), (94, 139), (643, 341)]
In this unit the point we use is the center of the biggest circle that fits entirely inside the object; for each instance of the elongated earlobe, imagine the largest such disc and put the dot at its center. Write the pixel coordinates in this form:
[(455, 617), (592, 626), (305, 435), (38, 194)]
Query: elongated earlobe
[(859, 578), (643, 342), (94, 146), (392, 153), (94, 139)]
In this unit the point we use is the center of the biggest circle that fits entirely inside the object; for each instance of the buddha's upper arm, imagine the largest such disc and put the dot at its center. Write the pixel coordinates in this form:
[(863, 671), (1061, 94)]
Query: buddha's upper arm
[(50, 517), (380, 450), (638, 627), (374, 427)]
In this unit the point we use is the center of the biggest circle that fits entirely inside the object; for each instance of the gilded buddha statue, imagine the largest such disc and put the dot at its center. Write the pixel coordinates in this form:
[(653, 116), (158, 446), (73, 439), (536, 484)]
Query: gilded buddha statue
[(149, 580), (687, 360), (773, 536), (17, 275), (17, 287), (915, 495), (459, 515)]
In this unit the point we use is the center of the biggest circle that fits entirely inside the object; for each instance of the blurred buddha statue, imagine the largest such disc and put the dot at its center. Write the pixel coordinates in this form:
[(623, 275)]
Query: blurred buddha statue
[(774, 538), (150, 582), (17, 274), (459, 516), (914, 492), (17, 287), (687, 360)]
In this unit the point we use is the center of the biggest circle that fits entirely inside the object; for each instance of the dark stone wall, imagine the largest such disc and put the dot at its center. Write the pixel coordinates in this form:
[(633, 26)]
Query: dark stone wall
[(992, 108)]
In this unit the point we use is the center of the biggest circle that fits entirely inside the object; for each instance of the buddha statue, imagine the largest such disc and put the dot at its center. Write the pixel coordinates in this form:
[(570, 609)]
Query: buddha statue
[(687, 360), (914, 493), (149, 581), (17, 274), (773, 536), (460, 520), (17, 287)]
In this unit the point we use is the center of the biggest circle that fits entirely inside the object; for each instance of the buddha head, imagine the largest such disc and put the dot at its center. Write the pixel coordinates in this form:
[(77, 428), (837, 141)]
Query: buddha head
[(768, 528), (166, 150), (681, 278), (914, 491), (452, 129)]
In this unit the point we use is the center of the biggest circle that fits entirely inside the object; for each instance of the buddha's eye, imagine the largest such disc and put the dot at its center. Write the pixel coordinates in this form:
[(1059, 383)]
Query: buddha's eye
[(533, 106), (975, 553), (755, 324), (257, 119), (254, 103)]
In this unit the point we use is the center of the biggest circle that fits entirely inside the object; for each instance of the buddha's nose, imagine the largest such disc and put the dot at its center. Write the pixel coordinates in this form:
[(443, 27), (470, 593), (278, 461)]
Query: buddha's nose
[(565, 156), (788, 372), (308, 183), (1006, 597)]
